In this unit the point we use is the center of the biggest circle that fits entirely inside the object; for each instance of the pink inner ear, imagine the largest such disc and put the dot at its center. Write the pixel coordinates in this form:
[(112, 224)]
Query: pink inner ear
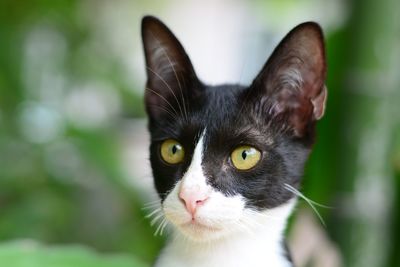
[(319, 103), (299, 109)]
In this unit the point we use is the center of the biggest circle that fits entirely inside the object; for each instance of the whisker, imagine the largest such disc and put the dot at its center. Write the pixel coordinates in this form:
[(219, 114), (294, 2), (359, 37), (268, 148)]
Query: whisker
[(157, 214), (163, 227), (151, 205), (179, 83), (156, 219), (169, 104), (176, 76), (151, 214), (159, 227), (320, 205), (187, 107), (310, 202), (169, 87)]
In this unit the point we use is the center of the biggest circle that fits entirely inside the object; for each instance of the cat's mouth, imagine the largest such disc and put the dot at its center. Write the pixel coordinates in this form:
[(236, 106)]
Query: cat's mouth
[(196, 225)]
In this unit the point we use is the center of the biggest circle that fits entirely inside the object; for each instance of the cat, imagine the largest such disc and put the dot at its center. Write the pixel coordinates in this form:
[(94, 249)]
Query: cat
[(228, 160)]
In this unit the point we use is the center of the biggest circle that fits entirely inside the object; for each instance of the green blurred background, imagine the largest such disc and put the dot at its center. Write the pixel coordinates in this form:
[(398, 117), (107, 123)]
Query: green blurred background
[(74, 174)]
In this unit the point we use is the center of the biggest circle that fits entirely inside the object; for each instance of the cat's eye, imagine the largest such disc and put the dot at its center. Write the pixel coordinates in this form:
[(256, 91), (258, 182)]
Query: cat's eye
[(172, 151), (245, 157)]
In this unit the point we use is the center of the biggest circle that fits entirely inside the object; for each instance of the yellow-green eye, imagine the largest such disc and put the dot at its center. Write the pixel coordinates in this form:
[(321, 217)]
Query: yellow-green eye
[(245, 157), (172, 152)]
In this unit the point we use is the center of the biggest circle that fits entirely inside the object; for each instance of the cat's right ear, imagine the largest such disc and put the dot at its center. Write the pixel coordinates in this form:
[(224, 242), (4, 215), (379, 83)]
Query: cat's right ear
[(169, 71), (291, 83)]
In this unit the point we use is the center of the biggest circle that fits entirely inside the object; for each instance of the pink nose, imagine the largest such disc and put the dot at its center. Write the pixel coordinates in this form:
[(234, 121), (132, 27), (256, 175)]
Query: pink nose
[(192, 199)]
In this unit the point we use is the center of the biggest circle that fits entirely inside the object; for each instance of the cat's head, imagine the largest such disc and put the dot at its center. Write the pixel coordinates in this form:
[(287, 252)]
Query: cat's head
[(227, 158)]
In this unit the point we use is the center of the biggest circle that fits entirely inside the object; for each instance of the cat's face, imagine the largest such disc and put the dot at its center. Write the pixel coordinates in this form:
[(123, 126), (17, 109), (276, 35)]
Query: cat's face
[(228, 158)]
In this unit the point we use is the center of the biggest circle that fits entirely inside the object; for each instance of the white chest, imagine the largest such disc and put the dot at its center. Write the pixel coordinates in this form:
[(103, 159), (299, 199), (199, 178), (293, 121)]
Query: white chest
[(254, 251)]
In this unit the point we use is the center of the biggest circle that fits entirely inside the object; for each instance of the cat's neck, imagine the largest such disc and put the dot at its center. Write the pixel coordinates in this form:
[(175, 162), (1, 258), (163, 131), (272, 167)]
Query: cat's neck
[(263, 246)]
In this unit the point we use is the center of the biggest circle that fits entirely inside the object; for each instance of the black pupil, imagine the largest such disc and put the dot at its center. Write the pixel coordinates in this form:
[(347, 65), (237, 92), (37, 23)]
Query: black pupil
[(244, 154), (174, 149)]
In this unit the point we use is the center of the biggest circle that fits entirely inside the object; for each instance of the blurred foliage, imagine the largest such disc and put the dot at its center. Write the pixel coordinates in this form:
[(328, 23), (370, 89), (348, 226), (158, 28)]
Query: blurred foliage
[(355, 164), (61, 179), (30, 254)]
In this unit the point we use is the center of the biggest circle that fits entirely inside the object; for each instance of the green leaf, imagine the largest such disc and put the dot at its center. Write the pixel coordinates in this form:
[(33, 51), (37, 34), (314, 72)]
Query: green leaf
[(33, 254)]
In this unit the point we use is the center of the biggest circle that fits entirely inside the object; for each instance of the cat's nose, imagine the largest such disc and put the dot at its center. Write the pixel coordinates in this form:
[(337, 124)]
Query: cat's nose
[(192, 199)]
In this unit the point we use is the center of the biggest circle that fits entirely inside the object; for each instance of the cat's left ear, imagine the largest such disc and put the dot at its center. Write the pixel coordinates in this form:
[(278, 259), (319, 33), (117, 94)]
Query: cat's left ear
[(170, 73), (292, 80)]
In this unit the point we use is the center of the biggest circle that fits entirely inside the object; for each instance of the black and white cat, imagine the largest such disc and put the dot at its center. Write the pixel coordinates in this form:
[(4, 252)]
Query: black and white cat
[(228, 160)]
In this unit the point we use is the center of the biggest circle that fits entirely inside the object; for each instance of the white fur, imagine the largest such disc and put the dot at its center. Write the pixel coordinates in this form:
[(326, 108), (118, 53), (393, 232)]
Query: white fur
[(224, 232), (293, 78)]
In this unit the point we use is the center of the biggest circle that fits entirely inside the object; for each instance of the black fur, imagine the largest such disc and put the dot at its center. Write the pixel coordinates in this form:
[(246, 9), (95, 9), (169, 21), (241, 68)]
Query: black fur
[(263, 186), (270, 115)]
